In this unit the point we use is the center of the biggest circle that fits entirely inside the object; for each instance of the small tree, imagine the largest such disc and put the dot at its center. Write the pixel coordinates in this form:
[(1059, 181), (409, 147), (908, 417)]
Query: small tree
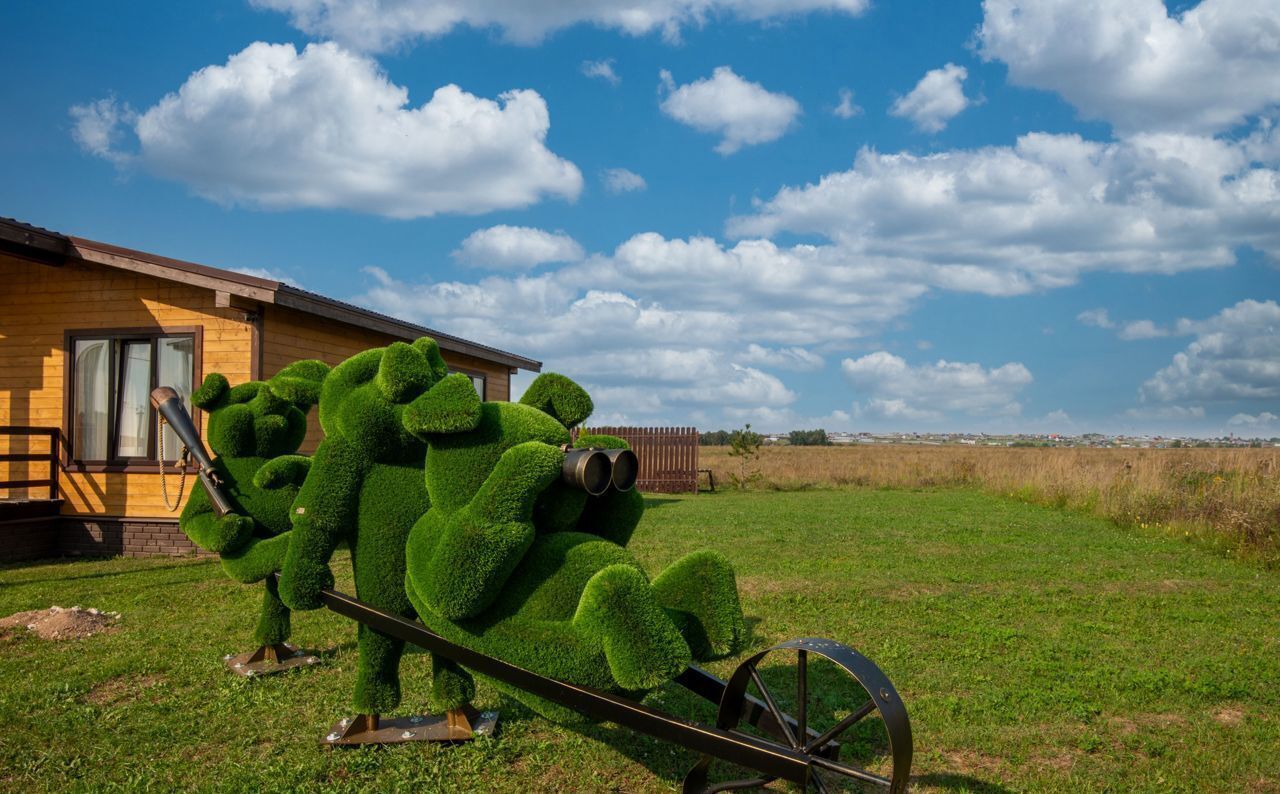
[(744, 445), (809, 438), (716, 438)]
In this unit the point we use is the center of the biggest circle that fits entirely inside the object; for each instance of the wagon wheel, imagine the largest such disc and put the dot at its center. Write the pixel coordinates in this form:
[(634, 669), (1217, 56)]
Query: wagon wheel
[(819, 743)]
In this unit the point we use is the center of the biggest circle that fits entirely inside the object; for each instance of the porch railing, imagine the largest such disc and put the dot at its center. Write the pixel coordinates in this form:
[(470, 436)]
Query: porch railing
[(7, 486)]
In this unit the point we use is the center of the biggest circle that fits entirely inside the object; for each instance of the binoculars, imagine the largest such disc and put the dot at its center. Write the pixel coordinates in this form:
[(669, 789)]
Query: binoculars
[(169, 405), (596, 470)]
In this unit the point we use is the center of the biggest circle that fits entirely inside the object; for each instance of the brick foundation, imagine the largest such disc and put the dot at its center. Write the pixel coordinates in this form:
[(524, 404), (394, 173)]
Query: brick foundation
[(76, 536), (29, 539), (130, 537)]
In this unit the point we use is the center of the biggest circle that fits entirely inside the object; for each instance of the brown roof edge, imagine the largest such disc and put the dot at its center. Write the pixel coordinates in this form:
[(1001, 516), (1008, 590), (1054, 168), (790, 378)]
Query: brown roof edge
[(33, 242), (262, 290)]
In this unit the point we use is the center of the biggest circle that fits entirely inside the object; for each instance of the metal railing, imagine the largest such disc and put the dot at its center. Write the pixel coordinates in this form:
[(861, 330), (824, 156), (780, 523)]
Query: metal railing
[(51, 457)]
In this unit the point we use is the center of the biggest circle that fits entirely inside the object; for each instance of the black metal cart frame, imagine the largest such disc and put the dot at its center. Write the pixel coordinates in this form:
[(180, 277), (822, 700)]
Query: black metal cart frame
[(795, 752)]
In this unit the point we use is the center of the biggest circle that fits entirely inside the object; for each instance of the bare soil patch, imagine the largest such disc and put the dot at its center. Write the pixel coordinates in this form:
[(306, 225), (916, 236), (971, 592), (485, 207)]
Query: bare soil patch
[(61, 623), (121, 689), (1230, 716)]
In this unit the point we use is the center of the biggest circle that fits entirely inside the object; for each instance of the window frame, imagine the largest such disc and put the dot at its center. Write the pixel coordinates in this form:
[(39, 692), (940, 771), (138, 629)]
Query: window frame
[(473, 374), (122, 335)]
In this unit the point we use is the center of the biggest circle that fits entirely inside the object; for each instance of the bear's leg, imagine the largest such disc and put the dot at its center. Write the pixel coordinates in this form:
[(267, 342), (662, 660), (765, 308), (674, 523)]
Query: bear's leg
[(642, 645), (378, 677), (701, 593), (451, 686), (273, 621)]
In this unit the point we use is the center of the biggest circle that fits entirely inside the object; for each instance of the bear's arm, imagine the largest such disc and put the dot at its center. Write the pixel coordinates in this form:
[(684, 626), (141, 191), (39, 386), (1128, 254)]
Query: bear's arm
[(484, 542), (282, 472), (199, 523), (613, 515), (325, 507)]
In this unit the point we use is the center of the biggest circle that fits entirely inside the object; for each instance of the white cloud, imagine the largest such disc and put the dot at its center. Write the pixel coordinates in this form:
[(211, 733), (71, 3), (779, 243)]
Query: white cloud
[(1265, 421), (98, 126), (516, 248), (742, 112), (1131, 63), (267, 273), (1235, 356), (1166, 413), (792, 358), (936, 99), (896, 390), (1058, 418), (385, 24), (1007, 220), (654, 316), (620, 180), (847, 108), (602, 70), (1136, 329), (325, 128), (1141, 329), (1098, 318)]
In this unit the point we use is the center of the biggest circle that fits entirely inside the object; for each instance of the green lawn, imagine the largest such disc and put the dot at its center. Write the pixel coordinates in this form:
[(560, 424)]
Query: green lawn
[(1036, 651)]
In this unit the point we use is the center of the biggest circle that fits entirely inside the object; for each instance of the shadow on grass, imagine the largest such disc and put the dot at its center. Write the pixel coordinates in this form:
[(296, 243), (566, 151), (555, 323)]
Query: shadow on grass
[(654, 502), (949, 781), (187, 562)]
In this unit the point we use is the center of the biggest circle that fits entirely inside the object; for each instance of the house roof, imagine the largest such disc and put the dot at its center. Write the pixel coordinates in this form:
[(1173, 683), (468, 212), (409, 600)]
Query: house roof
[(54, 248)]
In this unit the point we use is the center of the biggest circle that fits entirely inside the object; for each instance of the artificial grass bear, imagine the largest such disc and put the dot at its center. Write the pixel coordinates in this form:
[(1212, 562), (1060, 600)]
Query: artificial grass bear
[(516, 564), (365, 488), (253, 434)]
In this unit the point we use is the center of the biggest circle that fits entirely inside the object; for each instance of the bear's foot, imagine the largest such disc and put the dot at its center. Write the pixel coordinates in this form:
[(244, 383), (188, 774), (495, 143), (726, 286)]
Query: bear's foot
[(269, 659), (701, 594), (641, 644), (456, 725)]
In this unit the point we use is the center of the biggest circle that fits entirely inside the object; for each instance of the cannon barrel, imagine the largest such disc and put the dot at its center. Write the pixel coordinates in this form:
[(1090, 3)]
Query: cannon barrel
[(167, 402), (595, 470)]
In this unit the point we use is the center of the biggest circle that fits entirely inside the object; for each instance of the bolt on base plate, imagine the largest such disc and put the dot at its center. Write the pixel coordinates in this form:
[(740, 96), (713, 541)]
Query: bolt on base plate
[(456, 725), (269, 660)]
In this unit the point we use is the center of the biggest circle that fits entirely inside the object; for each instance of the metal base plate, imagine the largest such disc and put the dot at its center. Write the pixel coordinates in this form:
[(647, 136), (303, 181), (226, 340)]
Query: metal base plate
[(269, 660), (457, 725)]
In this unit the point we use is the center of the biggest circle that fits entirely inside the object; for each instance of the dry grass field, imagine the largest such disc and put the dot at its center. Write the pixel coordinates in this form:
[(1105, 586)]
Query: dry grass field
[(1229, 498)]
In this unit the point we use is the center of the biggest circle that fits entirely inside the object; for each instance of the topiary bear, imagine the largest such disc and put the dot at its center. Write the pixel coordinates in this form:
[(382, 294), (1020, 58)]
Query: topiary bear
[(514, 563), (253, 434), (365, 488)]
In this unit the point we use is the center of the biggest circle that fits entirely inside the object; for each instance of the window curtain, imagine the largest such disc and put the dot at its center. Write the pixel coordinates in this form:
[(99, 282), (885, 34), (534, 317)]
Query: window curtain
[(93, 383)]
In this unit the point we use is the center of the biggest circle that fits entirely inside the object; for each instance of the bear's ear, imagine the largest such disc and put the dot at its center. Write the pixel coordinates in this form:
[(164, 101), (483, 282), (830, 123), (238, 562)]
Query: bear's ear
[(403, 373), (450, 406), (428, 347), (300, 382), (212, 393), (560, 397)]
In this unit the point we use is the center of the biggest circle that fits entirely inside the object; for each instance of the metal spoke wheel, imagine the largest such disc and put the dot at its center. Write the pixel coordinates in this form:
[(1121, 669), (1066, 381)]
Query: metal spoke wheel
[(877, 728)]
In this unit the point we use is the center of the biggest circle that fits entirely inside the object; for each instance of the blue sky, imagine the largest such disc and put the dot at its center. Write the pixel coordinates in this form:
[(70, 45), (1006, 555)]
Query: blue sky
[(1056, 217)]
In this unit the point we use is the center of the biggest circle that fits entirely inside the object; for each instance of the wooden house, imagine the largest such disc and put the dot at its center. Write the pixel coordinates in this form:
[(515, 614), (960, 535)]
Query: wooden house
[(87, 329)]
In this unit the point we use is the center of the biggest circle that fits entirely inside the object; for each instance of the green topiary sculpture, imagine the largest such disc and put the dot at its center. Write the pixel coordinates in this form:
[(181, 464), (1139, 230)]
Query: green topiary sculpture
[(253, 434), (514, 563), (365, 488)]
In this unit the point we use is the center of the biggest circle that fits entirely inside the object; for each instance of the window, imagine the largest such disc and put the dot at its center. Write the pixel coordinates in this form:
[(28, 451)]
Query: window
[(111, 378)]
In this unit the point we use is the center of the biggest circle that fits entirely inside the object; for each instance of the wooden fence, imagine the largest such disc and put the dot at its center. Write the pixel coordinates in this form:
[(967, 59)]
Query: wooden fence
[(668, 456)]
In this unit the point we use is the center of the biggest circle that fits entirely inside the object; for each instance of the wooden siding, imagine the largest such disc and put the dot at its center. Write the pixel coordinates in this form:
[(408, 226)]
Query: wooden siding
[(290, 335), (39, 304)]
